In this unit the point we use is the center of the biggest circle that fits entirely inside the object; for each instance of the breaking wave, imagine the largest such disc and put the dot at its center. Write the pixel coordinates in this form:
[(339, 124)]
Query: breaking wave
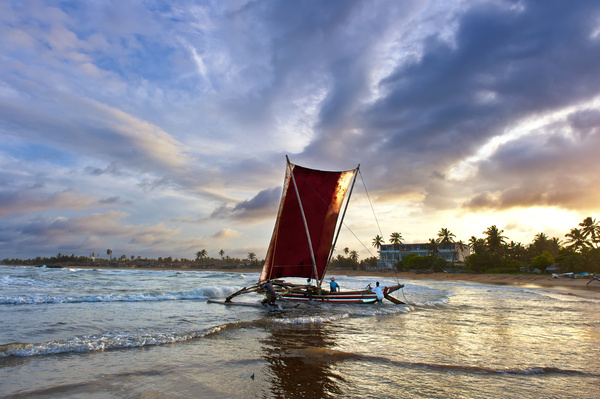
[(195, 294)]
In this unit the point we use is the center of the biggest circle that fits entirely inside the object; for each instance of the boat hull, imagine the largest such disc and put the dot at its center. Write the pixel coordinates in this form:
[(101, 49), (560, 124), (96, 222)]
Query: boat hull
[(344, 297)]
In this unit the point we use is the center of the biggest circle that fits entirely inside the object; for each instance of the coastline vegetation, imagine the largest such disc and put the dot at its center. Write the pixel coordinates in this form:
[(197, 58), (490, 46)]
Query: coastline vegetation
[(201, 261), (493, 253)]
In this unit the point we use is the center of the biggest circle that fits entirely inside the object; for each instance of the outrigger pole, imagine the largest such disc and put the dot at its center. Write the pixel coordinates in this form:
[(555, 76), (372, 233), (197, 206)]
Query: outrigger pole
[(312, 252)]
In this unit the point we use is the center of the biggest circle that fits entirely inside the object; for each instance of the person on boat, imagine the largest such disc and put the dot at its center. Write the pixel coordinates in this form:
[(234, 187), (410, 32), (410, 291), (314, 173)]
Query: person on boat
[(333, 286), (379, 291), (309, 288), (271, 295)]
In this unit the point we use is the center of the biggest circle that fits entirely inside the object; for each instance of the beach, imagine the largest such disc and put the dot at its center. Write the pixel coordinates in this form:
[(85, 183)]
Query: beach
[(569, 286)]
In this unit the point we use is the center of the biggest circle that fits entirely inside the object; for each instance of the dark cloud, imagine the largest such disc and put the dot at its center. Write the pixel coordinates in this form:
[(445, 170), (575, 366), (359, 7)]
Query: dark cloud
[(113, 169), (506, 62), (116, 200), (264, 204)]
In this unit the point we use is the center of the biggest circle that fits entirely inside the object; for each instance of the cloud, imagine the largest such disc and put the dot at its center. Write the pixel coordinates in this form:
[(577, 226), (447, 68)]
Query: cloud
[(226, 233), (114, 201), (264, 204), (503, 64), (186, 110), (550, 166), (17, 202), (105, 229)]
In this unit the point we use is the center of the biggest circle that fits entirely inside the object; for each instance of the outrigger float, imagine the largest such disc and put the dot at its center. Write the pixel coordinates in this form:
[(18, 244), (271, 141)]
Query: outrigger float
[(305, 234)]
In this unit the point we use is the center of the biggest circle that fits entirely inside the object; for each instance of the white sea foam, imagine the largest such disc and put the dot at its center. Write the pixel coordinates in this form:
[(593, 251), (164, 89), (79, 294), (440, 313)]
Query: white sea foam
[(200, 293), (106, 341), (311, 319)]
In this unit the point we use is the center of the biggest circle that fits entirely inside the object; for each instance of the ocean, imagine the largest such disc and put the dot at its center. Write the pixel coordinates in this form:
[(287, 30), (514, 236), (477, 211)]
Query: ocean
[(94, 333)]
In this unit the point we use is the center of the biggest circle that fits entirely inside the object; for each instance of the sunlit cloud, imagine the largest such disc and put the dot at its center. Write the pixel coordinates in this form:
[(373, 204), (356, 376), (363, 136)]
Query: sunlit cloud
[(227, 234)]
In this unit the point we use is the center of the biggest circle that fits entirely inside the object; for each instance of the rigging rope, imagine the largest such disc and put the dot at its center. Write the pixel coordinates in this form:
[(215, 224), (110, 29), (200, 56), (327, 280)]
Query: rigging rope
[(343, 222), (370, 203), (402, 289), (375, 216)]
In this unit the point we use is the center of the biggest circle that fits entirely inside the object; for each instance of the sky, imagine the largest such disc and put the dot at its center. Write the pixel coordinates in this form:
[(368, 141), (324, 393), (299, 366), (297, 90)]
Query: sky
[(160, 128)]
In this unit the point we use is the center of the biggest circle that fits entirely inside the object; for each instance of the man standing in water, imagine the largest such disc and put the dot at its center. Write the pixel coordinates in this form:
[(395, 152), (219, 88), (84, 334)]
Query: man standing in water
[(271, 296), (333, 286), (377, 290)]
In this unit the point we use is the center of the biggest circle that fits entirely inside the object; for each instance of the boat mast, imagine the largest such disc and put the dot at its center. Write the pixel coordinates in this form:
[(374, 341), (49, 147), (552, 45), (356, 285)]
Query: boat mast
[(312, 252), (337, 234)]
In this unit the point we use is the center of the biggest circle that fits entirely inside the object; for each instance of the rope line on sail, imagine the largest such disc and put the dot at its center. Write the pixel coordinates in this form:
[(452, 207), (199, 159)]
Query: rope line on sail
[(370, 203)]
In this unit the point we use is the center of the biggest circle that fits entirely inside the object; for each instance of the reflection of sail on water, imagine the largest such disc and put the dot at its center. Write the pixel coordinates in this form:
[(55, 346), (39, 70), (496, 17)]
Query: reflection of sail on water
[(310, 206)]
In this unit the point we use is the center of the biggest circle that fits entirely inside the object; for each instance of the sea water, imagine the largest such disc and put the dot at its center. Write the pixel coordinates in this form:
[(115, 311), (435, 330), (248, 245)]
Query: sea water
[(93, 333)]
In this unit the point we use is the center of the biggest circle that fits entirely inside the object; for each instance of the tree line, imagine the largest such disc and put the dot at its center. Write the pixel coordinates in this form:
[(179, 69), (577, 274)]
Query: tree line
[(494, 253), (202, 260)]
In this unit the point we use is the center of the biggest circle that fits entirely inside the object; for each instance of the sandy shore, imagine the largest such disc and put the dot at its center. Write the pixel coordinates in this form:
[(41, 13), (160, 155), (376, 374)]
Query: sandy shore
[(567, 286)]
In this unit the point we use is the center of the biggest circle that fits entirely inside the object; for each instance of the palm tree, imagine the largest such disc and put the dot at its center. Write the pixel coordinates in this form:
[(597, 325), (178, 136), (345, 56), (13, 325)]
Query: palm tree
[(251, 256), (460, 247), (590, 228), (555, 241), (346, 251), (516, 250), (478, 245), (377, 241), (396, 239), (222, 254), (433, 248), (473, 242), (576, 240), (354, 256), (494, 239), (109, 253), (445, 238), (539, 244), (201, 254)]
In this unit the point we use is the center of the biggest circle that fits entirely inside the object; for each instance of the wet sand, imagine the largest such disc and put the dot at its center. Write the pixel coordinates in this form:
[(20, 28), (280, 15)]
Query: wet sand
[(568, 286)]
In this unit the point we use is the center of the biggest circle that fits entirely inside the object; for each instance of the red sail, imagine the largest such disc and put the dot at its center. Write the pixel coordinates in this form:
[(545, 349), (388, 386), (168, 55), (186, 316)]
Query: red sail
[(321, 194)]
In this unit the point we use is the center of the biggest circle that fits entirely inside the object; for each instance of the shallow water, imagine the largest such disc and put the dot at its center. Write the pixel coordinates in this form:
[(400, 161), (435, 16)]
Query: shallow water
[(107, 333)]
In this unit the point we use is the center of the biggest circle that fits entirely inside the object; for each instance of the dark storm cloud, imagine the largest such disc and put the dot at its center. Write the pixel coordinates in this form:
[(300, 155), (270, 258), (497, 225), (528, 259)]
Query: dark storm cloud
[(506, 61), (264, 204)]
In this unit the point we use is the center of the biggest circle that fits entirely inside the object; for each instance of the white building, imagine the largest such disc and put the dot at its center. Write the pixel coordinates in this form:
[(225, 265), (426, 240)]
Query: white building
[(389, 254)]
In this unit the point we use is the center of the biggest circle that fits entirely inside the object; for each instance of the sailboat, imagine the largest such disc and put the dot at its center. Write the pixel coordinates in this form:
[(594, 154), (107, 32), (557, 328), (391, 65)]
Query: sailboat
[(306, 230)]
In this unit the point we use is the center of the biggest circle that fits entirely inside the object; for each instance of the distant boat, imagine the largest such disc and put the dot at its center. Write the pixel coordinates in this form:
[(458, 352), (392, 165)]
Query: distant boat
[(304, 237)]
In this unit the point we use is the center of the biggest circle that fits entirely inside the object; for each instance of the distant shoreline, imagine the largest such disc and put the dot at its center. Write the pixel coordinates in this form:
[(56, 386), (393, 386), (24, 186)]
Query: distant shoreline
[(567, 286)]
